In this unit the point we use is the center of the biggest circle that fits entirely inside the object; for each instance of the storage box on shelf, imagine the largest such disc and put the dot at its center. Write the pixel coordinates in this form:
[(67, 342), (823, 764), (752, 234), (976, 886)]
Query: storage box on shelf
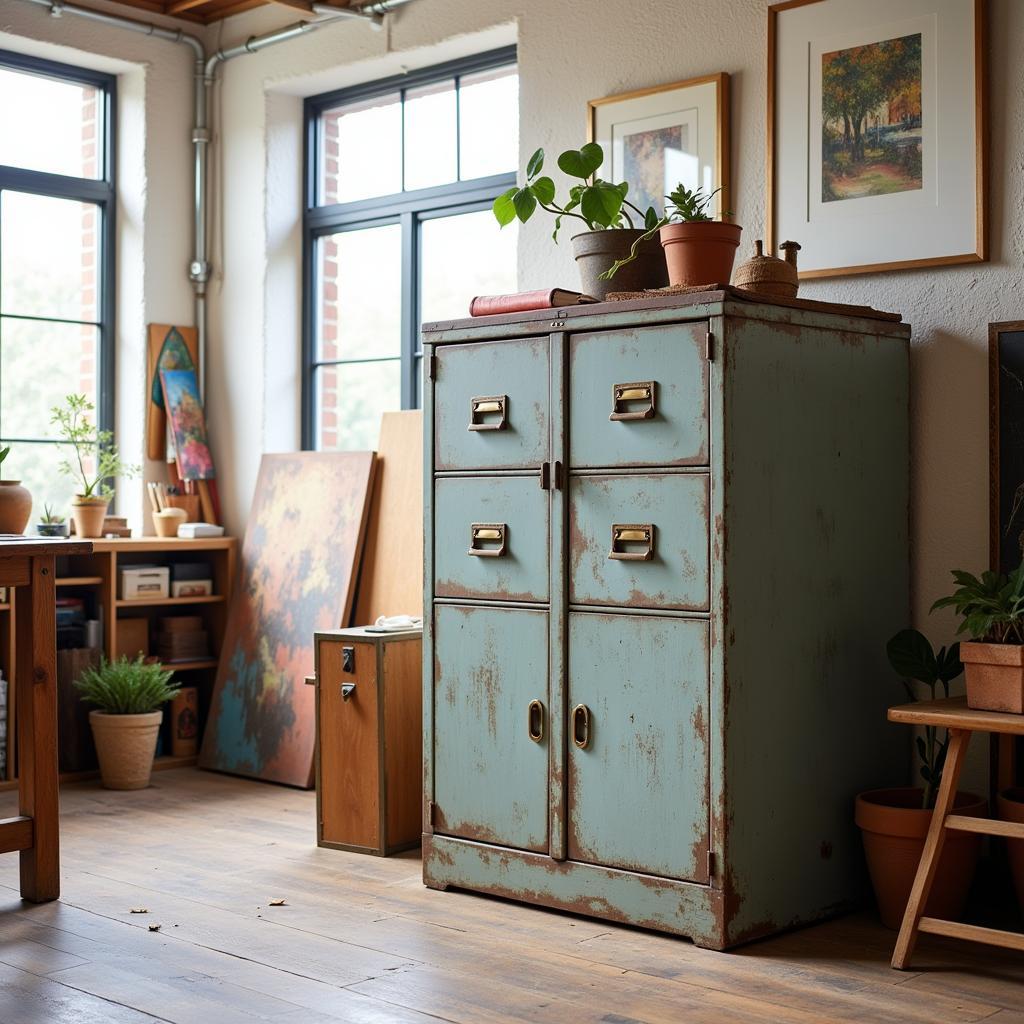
[(130, 626)]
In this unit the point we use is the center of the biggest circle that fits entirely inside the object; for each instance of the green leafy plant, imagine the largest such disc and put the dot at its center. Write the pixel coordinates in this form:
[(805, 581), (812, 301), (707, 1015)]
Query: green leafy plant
[(125, 687), (991, 607), (598, 203), (50, 517), (914, 659), (4, 452), (76, 430)]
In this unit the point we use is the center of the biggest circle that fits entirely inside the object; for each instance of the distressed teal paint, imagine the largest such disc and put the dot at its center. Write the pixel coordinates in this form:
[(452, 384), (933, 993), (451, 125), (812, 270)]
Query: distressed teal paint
[(517, 369), (672, 357), (645, 680), (677, 574), (521, 573), (490, 779), (805, 527)]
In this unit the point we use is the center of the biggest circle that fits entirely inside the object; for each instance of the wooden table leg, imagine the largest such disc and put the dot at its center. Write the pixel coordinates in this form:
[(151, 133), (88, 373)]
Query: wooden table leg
[(933, 843), (36, 681)]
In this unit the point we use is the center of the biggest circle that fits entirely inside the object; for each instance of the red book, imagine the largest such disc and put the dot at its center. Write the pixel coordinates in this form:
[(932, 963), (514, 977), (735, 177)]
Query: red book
[(520, 302)]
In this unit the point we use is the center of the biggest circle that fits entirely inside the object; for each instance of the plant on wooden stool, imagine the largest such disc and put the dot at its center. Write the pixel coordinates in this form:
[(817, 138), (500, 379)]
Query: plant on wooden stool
[(129, 696), (991, 607)]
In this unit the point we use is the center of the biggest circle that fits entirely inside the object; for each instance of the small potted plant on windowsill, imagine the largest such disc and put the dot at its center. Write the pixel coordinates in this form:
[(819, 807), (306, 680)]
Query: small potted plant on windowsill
[(615, 227), (129, 698), (51, 525), (894, 822), (15, 502), (94, 449), (992, 610)]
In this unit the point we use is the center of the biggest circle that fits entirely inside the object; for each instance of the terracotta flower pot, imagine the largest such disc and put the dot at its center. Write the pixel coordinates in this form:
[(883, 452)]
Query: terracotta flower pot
[(893, 825), (1010, 807), (995, 676), (700, 251), (15, 506), (596, 251), (125, 745), (88, 514)]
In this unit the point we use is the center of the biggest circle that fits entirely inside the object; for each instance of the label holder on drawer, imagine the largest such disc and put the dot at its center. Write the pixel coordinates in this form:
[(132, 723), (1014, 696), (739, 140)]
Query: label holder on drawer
[(624, 395), (632, 533), (487, 533), (488, 405)]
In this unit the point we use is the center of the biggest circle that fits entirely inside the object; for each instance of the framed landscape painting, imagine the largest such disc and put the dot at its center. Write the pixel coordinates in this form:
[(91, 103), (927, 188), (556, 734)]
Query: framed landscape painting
[(876, 133), (656, 138)]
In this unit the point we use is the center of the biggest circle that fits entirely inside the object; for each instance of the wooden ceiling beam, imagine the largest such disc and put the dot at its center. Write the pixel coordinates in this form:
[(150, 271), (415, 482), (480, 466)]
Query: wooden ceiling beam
[(180, 6)]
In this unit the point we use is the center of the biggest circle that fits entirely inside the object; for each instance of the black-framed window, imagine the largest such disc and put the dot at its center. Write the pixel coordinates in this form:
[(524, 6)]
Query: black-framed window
[(56, 259), (400, 177)]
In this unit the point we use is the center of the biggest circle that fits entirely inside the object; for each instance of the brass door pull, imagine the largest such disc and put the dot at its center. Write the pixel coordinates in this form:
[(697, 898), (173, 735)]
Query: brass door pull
[(625, 397), (481, 534), (535, 721), (487, 406), (632, 533), (581, 726)]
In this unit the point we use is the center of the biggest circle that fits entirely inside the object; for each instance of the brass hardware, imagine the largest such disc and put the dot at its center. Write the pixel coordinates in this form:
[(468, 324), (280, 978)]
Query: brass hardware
[(637, 391), (581, 726), (486, 406), (535, 721), (480, 532), (632, 533), (347, 689)]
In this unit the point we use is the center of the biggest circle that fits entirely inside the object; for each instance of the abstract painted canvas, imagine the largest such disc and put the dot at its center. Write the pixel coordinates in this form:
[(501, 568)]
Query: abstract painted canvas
[(300, 557), (188, 424)]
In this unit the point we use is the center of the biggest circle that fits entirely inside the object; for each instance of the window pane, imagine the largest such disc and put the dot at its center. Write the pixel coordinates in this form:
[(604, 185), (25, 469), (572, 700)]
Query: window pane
[(488, 123), (350, 399), (50, 125), (430, 144), (49, 257), (360, 302), (40, 364), (361, 150), (37, 466), (463, 256)]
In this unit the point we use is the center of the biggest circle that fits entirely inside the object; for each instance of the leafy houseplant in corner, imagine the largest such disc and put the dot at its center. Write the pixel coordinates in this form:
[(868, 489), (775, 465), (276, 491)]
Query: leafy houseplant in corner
[(894, 822), (992, 609), (51, 525), (615, 227), (15, 502), (128, 696), (96, 462)]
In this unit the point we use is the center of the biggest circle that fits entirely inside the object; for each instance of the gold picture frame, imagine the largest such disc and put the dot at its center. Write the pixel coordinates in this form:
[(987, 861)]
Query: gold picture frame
[(975, 223)]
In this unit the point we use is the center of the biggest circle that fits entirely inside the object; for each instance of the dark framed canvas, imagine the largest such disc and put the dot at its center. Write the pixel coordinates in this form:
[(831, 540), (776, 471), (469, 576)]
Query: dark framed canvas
[(1006, 444)]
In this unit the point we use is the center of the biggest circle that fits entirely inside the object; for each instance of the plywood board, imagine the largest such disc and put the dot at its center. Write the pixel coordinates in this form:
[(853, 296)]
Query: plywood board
[(391, 579), (302, 544)]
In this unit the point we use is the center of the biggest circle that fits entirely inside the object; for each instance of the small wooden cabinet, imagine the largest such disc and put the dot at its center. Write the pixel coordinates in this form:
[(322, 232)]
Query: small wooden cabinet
[(368, 740)]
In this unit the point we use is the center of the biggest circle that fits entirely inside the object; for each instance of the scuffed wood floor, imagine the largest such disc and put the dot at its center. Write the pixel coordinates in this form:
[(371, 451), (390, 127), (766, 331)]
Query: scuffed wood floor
[(361, 941)]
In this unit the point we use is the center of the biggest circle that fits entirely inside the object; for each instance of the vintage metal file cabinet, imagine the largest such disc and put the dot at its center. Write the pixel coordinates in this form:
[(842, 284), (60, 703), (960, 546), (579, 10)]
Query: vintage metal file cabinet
[(666, 544)]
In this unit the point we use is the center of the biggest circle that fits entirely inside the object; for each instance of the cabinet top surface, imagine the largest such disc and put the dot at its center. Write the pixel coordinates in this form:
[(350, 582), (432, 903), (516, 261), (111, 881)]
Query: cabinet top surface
[(367, 634), (13, 545), (160, 544)]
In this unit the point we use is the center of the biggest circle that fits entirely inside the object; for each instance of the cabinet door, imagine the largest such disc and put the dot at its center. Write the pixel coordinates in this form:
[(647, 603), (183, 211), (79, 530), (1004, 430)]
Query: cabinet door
[(490, 776), (491, 405), (638, 786)]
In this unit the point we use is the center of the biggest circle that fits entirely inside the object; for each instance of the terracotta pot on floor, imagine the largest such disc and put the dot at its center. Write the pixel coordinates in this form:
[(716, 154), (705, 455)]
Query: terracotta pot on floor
[(700, 251), (1010, 807), (893, 825), (995, 676), (126, 745), (88, 514), (596, 251), (15, 506)]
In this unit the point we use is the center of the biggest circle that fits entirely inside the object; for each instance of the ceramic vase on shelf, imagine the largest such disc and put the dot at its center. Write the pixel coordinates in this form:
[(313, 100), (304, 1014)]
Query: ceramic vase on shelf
[(15, 506), (596, 251), (700, 252), (88, 514)]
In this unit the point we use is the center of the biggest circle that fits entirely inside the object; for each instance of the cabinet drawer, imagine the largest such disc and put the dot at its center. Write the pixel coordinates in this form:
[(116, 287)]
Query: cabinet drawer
[(491, 405), (638, 787), (661, 418), (640, 541), (491, 538)]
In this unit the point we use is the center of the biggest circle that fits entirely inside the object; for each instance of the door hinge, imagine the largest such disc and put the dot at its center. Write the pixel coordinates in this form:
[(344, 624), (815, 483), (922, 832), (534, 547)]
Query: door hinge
[(430, 812), (711, 864), (431, 367), (556, 476), (709, 347), (545, 476)]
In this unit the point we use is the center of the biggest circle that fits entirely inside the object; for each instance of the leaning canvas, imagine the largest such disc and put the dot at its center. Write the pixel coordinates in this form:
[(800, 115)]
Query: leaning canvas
[(300, 559)]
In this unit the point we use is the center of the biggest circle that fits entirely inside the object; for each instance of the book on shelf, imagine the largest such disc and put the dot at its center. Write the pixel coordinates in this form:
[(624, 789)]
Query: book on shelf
[(521, 302)]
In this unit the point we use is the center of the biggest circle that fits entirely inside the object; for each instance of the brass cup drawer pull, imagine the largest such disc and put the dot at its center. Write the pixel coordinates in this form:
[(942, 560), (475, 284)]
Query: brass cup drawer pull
[(581, 726), (488, 406), (483, 534), (632, 534), (626, 396), (535, 721)]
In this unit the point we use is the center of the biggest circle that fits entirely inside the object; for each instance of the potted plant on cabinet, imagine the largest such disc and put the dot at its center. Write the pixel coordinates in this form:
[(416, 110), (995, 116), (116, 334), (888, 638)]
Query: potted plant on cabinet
[(15, 502), (894, 822), (96, 462), (51, 525), (992, 610), (128, 696), (615, 227)]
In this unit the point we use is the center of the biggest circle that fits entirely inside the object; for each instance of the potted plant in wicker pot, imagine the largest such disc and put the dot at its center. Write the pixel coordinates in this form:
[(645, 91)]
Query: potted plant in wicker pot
[(129, 698), (615, 227), (96, 461), (992, 611), (15, 502), (894, 822)]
